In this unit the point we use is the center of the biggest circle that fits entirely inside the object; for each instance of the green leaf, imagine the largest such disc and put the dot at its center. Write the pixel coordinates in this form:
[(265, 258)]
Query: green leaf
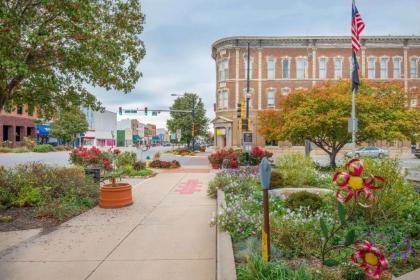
[(341, 213), (350, 237), (331, 262), (324, 228)]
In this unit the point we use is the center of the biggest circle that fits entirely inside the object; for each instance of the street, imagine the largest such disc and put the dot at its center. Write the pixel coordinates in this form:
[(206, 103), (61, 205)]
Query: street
[(62, 158)]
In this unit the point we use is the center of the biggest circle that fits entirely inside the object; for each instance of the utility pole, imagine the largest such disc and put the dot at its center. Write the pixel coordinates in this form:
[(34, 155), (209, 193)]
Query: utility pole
[(245, 123), (193, 124)]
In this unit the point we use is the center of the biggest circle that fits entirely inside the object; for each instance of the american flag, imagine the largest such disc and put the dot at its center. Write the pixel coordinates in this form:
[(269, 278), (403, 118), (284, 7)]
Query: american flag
[(357, 27)]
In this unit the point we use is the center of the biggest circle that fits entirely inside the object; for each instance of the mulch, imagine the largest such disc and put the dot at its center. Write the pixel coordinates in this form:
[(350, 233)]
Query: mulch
[(24, 218)]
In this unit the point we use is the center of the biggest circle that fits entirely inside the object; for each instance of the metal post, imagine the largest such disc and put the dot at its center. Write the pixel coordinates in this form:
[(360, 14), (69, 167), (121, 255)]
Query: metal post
[(266, 229), (353, 120), (247, 84), (193, 127)]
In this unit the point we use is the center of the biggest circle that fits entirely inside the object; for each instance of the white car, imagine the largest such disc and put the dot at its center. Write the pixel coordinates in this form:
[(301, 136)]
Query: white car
[(369, 152)]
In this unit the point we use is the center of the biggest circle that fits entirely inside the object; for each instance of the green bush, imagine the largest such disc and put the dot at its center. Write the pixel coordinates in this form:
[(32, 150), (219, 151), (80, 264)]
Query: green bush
[(56, 192), (276, 180), (257, 268), (218, 182), (304, 200), (126, 159), (43, 148), (297, 170)]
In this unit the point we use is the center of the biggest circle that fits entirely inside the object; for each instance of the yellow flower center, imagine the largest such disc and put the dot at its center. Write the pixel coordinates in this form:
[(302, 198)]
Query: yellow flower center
[(356, 183), (371, 259)]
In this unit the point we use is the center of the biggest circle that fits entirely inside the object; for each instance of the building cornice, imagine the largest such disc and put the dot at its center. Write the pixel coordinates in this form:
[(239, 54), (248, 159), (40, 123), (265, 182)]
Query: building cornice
[(313, 42)]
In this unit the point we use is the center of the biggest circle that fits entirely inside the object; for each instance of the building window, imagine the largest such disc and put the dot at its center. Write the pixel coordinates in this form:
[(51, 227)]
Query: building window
[(384, 68), (271, 68), (225, 99), (396, 63), (322, 68), (285, 91), (286, 68), (246, 66), (371, 68), (338, 68), (19, 110), (223, 70), (413, 102), (220, 103), (413, 68), (271, 98), (301, 68)]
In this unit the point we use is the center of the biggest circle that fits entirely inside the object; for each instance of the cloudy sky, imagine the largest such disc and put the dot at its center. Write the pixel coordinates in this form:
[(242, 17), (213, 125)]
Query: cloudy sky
[(178, 35)]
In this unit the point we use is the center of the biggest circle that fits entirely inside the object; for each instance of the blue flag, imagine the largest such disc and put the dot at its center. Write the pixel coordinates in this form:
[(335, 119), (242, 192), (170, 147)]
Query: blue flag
[(355, 75)]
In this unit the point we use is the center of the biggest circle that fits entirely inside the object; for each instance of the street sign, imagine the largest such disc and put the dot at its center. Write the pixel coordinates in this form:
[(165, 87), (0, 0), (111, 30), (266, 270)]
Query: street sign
[(178, 134), (350, 125), (247, 141)]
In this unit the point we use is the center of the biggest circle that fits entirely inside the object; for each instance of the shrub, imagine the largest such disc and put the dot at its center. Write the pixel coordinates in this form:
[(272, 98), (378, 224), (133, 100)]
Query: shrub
[(297, 169), (29, 142), (304, 200), (165, 164), (218, 182), (139, 165), (43, 148), (276, 180), (257, 268), (56, 192), (126, 159), (220, 157)]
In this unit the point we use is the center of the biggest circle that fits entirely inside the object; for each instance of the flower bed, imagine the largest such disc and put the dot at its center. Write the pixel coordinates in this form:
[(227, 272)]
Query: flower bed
[(181, 152), (165, 164), (320, 232), (229, 158)]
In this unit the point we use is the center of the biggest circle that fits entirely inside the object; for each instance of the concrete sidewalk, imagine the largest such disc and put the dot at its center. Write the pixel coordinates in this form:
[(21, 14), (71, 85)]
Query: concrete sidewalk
[(163, 235)]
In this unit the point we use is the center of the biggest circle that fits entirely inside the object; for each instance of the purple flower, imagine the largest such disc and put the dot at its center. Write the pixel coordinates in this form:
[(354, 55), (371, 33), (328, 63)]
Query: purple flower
[(409, 250), (371, 232), (394, 245), (404, 256), (394, 256), (406, 241), (380, 236)]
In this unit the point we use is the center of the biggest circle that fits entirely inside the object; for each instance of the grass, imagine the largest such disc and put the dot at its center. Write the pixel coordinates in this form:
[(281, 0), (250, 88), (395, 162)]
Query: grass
[(13, 150)]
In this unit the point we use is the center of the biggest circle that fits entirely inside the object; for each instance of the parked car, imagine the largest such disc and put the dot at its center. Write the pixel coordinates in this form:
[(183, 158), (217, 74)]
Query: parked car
[(369, 152)]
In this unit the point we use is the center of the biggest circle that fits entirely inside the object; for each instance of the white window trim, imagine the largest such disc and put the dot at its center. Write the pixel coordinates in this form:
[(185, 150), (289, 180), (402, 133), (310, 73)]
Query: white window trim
[(393, 64), (220, 68), (341, 67), (273, 90), (380, 67), (374, 67), (283, 91), (305, 69), (416, 58), (274, 60), (413, 102), (251, 68), (326, 67), (288, 58)]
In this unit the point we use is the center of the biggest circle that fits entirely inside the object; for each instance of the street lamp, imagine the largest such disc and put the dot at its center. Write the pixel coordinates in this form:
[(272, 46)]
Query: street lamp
[(192, 114)]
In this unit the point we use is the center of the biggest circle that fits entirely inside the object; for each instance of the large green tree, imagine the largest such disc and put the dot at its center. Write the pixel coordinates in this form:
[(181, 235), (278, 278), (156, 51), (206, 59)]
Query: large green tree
[(50, 50), (185, 121), (69, 124), (321, 114)]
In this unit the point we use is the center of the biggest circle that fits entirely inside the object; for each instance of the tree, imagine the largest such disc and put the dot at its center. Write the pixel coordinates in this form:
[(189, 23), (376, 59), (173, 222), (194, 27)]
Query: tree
[(51, 50), (321, 114), (69, 124), (185, 121)]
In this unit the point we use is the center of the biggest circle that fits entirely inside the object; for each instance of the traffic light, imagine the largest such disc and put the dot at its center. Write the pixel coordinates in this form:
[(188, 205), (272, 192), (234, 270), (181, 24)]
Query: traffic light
[(145, 111), (238, 110), (245, 124), (243, 108), (120, 110)]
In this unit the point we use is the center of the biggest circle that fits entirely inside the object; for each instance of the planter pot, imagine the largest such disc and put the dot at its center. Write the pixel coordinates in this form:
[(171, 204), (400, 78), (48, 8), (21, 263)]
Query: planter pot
[(115, 197)]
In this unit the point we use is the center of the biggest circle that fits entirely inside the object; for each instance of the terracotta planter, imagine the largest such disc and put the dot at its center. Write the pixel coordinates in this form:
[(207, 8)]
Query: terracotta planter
[(115, 197)]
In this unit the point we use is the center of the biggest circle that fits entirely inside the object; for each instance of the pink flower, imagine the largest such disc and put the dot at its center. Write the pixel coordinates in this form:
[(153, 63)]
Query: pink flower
[(370, 258)]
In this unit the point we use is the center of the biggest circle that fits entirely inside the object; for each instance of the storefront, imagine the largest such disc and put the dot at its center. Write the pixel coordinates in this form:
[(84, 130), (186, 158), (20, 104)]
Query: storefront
[(222, 132)]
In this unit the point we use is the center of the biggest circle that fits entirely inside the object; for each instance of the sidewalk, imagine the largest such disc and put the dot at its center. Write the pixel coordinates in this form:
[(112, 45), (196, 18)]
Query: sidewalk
[(163, 235)]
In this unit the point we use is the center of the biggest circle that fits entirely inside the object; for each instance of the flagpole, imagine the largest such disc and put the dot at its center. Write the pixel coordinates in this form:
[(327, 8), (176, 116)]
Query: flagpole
[(353, 120)]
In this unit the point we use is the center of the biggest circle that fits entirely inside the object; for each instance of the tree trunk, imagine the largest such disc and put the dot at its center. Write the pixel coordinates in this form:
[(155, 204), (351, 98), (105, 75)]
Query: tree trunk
[(333, 155)]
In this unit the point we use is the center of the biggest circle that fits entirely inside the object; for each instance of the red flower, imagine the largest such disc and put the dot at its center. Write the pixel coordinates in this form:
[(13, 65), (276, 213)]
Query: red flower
[(116, 151), (370, 258), (354, 184)]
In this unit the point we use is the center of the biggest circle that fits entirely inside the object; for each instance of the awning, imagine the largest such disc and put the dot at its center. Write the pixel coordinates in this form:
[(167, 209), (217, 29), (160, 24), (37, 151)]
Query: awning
[(136, 138), (88, 137), (42, 129)]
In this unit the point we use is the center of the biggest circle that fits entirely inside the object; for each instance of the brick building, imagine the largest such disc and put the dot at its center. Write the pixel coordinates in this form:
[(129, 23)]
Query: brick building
[(15, 124), (280, 65)]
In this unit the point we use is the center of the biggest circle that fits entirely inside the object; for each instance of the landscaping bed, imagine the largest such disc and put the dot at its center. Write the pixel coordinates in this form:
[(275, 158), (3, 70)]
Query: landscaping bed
[(181, 152), (299, 248), (37, 195)]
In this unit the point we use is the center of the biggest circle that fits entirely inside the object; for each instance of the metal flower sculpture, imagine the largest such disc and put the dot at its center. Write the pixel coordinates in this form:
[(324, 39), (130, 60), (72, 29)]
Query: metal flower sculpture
[(352, 183), (370, 258)]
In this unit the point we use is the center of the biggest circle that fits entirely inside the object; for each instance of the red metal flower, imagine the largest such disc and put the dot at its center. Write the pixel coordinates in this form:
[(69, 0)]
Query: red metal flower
[(370, 258), (354, 185)]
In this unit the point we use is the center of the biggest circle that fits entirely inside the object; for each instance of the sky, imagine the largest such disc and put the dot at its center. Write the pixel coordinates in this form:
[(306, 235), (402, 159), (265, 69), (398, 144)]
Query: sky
[(178, 35)]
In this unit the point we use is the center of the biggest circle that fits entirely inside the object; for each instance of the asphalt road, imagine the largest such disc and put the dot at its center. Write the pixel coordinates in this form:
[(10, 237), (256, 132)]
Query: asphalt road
[(62, 158)]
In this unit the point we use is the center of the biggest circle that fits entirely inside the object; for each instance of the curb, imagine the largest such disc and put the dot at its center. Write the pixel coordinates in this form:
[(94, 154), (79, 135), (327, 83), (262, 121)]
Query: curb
[(225, 261)]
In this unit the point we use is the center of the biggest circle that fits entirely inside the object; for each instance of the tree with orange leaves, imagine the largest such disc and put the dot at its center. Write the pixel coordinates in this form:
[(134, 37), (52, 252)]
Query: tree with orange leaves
[(320, 115)]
